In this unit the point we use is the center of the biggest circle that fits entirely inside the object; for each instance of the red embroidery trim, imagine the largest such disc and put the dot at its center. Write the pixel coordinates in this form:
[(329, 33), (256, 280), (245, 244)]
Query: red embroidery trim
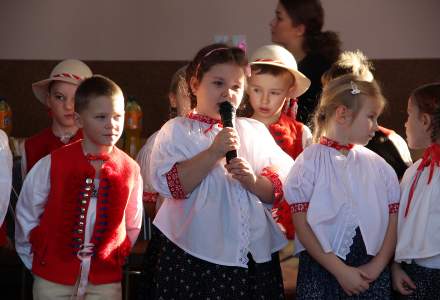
[(300, 207), (269, 60), (205, 119), (393, 208), (68, 75), (431, 158), (276, 182), (174, 184), (334, 144), (150, 197)]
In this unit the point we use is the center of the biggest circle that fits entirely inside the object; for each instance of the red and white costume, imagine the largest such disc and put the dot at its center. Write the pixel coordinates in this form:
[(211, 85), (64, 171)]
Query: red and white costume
[(418, 237), (41, 144), (340, 193), (5, 182), (64, 208), (292, 136), (219, 221)]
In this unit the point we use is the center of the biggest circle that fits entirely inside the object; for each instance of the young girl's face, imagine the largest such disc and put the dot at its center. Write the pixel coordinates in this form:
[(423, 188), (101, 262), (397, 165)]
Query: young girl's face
[(417, 135), (364, 125), (222, 82), (267, 95), (61, 103)]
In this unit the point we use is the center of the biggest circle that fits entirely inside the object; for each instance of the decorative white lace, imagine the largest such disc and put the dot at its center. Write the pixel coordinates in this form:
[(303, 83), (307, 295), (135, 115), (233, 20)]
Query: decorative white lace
[(244, 228)]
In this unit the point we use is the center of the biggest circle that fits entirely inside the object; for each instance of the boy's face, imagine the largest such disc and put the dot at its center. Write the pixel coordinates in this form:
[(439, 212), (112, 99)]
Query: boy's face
[(267, 94), (61, 103), (102, 122)]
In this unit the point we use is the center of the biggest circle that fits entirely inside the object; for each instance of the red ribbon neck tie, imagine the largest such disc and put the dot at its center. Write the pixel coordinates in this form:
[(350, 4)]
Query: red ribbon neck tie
[(103, 156), (431, 158), (334, 144)]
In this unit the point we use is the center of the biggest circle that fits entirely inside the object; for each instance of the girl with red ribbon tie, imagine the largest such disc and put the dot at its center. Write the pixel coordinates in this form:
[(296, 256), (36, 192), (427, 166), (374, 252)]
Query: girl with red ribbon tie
[(416, 273), (345, 199)]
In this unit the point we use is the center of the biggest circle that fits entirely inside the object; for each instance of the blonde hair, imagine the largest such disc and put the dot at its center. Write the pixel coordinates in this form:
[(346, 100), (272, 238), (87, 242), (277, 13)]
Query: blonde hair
[(345, 90), (349, 62)]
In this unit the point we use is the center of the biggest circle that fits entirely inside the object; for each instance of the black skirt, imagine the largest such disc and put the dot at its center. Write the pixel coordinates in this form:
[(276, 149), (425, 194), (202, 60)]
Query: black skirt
[(315, 282), (427, 281), (179, 275)]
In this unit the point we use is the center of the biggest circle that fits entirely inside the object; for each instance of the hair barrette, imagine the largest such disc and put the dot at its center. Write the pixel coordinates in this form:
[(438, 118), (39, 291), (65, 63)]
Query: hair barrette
[(354, 88)]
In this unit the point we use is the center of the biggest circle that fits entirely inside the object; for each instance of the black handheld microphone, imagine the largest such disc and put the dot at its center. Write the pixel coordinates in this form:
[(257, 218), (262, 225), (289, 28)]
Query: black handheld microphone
[(227, 113)]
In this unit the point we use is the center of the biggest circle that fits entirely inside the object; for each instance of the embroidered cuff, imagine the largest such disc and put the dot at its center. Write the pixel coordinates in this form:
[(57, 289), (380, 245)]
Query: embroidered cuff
[(150, 197), (174, 184), (276, 182), (393, 208), (300, 207)]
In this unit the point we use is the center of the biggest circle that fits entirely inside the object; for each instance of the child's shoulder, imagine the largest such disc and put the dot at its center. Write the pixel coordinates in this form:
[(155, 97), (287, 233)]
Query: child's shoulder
[(243, 121)]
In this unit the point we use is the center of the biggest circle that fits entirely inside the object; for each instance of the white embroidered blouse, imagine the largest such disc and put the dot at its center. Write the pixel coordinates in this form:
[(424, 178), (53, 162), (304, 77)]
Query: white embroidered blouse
[(219, 221), (340, 193)]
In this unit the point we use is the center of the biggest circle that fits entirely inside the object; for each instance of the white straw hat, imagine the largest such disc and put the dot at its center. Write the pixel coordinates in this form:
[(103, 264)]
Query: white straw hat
[(278, 56), (69, 70)]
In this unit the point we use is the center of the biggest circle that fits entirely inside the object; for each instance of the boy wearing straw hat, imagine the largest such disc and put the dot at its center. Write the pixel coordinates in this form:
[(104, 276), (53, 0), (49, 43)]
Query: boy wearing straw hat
[(274, 85), (57, 93)]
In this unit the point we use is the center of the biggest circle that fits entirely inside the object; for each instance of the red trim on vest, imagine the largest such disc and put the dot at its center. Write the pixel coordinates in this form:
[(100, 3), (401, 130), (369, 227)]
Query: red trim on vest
[(43, 143), (58, 237), (288, 134)]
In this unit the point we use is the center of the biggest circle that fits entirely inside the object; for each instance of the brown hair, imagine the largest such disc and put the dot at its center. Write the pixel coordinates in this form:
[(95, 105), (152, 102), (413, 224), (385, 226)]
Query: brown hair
[(349, 62), (427, 99), (94, 87), (210, 56), (311, 14), (342, 91)]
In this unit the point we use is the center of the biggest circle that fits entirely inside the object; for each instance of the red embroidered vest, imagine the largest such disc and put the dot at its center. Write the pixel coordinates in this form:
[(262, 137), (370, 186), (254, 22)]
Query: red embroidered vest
[(43, 143), (60, 234)]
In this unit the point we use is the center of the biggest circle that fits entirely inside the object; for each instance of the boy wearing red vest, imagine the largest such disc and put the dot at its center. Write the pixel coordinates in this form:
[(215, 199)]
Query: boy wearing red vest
[(57, 93), (80, 208), (274, 81)]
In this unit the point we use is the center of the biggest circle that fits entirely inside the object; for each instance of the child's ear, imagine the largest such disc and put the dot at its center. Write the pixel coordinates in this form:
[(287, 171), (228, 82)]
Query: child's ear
[(291, 91), (77, 120), (173, 100), (194, 84), (426, 121), (343, 115), (299, 30)]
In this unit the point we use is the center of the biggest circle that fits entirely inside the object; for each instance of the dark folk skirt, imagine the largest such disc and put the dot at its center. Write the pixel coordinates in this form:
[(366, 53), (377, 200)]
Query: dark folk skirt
[(315, 282), (179, 275), (427, 281)]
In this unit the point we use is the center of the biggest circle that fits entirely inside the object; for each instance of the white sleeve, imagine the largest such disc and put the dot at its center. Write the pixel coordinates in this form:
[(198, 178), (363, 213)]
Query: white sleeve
[(5, 175), (168, 149), (307, 137), (391, 181), (143, 159), (299, 184), (134, 210), (30, 207)]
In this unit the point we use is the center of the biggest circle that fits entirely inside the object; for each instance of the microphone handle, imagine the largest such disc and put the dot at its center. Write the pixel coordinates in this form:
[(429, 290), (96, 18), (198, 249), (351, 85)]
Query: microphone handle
[(233, 153)]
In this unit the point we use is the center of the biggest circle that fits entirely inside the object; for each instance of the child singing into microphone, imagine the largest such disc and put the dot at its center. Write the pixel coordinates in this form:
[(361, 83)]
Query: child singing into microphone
[(219, 238)]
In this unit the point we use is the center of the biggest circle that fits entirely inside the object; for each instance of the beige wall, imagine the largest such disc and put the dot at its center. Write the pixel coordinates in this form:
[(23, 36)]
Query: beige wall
[(175, 29)]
